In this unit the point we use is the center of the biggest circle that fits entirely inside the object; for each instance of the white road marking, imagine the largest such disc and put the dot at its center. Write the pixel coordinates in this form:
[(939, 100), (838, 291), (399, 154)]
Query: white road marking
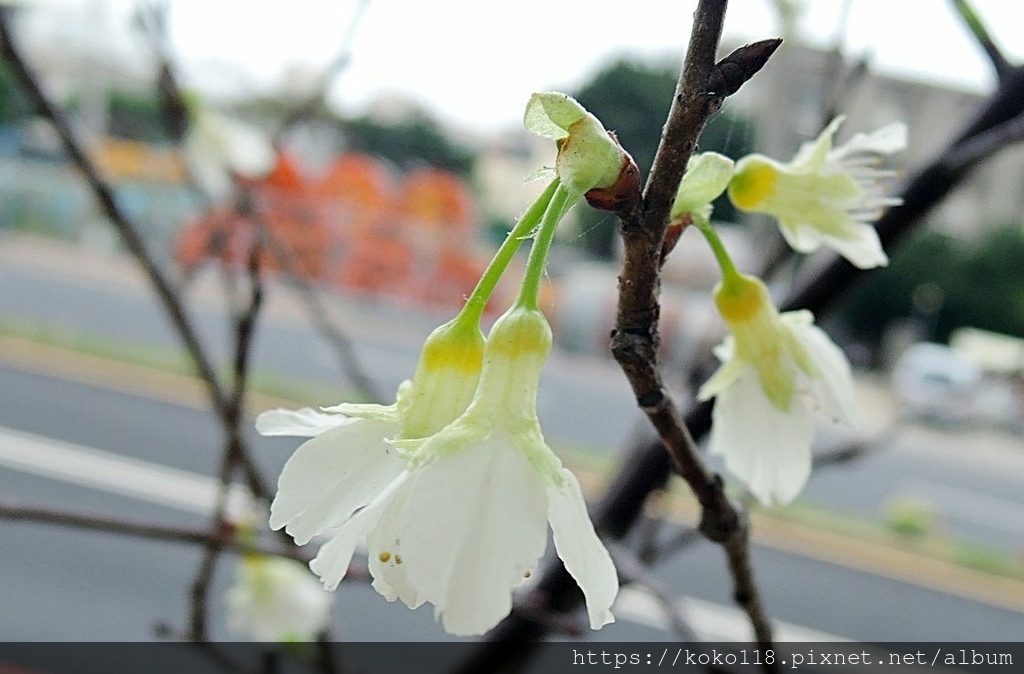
[(192, 492), (113, 473), (712, 622)]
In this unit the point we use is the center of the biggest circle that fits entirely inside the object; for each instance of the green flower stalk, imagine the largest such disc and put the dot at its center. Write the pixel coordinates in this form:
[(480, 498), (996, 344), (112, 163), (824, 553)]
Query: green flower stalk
[(453, 487), (347, 462)]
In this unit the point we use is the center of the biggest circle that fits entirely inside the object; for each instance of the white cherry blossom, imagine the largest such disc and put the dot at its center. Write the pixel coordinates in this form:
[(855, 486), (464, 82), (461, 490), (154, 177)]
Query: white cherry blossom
[(825, 195), (276, 599), (467, 520), (778, 372)]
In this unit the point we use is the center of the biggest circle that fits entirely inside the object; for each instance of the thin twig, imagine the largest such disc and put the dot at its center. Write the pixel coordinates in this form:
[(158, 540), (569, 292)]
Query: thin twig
[(319, 314), (337, 65), (702, 88), (818, 290), (129, 234), (245, 321), (977, 28), (14, 512), (632, 570)]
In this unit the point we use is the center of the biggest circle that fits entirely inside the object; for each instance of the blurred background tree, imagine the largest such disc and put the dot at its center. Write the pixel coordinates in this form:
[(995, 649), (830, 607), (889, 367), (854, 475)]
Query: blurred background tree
[(416, 139), (980, 284), (135, 116), (13, 106)]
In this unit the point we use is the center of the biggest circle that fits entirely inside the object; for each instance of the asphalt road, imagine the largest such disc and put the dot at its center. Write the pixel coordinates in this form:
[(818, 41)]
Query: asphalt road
[(75, 585), (976, 494), (72, 585)]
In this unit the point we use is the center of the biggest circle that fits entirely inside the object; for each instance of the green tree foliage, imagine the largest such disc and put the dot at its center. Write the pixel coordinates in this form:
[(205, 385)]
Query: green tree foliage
[(135, 116), (632, 99), (982, 286), (413, 141), (13, 105), (131, 115)]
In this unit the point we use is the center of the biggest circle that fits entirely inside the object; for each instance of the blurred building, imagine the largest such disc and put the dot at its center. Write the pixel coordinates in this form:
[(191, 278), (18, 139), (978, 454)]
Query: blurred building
[(361, 226)]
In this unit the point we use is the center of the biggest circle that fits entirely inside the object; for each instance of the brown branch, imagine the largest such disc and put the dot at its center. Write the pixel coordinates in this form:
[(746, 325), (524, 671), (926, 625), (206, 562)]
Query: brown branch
[(635, 346), (234, 451), (245, 325), (14, 512), (702, 87)]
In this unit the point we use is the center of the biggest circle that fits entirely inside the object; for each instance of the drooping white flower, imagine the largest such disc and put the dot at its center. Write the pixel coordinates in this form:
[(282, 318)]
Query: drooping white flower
[(777, 371), (467, 520), (824, 196), (347, 462), (275, 599), (218, 147)]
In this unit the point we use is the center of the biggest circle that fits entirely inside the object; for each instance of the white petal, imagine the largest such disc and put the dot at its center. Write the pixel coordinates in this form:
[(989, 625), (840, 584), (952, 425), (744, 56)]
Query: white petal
[(724, 376), (887, 140), (584, 555), (332, 560), (474, 526), (305, 422), (801, 237), (833, 387), (814, 153), (386, 555), (767, 449), (864, 251), (332, 475), (550, 114)]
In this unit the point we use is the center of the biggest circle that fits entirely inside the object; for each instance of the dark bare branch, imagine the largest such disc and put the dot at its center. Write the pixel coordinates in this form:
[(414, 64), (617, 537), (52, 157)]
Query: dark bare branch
[(980, 33), (635, 341), (234, 449), (160, 532)]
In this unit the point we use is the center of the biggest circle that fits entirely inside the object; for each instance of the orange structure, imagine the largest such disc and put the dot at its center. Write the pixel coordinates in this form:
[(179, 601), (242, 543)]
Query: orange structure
[(360, 226)]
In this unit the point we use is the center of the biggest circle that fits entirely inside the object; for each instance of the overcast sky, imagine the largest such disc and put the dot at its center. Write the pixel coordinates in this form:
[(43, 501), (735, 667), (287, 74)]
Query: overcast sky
[(475, 62)]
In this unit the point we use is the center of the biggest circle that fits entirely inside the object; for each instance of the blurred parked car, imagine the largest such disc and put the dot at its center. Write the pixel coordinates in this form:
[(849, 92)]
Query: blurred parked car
[(936, 384)]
